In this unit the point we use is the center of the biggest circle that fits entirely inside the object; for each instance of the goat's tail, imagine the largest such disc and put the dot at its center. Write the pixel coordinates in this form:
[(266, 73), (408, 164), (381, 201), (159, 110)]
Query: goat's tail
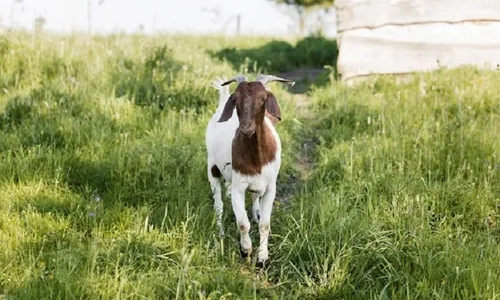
[(223, 90)]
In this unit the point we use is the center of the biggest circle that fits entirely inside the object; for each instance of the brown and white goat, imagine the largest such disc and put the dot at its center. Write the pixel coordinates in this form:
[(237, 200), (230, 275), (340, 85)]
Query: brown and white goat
[(245, 150)]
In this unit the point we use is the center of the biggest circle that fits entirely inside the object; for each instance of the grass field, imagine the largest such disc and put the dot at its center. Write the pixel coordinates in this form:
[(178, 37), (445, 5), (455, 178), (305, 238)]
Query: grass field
[(387, 191)]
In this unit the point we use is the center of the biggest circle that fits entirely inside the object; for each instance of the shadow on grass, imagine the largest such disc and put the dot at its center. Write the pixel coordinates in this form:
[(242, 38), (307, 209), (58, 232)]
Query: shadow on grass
[(303, 62)]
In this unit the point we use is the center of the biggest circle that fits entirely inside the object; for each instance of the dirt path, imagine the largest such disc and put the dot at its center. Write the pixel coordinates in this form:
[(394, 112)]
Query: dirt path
[(300, 89), (304, 157), (302, 78)]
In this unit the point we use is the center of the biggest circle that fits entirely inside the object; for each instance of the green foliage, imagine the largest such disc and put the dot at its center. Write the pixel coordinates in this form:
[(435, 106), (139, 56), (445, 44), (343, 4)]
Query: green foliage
[(103, 190), (306, 3), (280, 56), (315, 51)]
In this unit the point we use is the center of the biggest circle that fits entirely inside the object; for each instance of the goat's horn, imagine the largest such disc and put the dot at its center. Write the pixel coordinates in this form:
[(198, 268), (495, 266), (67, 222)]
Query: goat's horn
[(264, 79), (237, 78)]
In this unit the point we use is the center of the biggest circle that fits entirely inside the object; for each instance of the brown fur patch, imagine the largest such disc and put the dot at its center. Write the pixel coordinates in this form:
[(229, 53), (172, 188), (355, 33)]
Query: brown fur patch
[(250, 154), (273, 119), (272, 106), (215, 171), (252, 102)]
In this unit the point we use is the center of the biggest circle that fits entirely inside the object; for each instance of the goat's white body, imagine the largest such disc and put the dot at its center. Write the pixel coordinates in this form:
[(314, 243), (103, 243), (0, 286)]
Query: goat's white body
[(219, 139), (258, 184)]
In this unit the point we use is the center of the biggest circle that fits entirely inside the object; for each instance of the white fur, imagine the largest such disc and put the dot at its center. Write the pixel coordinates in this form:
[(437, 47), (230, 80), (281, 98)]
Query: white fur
[(219, 138)]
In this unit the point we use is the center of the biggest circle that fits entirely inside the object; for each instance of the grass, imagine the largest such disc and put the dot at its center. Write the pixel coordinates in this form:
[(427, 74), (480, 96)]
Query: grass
[(103, 188)]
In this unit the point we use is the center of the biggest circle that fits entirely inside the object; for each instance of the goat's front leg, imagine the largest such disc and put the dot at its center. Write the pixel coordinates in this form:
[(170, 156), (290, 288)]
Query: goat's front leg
[(266, 207), (238, 202)]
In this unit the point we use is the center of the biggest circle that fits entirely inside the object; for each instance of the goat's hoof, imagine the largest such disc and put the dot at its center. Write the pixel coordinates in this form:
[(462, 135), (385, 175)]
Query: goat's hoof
[(245, 253), (263, 264)]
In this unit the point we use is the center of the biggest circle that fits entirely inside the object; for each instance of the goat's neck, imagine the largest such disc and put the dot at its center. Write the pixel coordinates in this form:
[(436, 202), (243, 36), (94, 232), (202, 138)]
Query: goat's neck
[(250, 154)]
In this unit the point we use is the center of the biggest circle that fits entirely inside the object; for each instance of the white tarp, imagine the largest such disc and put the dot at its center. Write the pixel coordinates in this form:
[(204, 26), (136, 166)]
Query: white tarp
[(397, 37)]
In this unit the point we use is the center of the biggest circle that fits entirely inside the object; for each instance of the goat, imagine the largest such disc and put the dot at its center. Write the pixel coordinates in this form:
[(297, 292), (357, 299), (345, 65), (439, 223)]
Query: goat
[(244, 149)]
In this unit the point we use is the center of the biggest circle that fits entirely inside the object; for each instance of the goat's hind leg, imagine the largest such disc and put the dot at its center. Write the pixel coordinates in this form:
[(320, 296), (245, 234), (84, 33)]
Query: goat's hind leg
[(255, 208), (214, 176)]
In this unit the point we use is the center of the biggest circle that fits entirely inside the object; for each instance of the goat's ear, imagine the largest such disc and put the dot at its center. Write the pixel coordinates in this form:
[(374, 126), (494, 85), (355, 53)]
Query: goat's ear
[(228, 109), (272, 106)]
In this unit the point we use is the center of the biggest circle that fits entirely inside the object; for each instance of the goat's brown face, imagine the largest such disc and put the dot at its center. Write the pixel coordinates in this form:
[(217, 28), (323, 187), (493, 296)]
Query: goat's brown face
[(251, 101)]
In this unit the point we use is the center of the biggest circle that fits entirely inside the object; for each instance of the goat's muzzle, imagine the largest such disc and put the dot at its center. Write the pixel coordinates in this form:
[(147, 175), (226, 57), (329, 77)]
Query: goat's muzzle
[(248, 129)]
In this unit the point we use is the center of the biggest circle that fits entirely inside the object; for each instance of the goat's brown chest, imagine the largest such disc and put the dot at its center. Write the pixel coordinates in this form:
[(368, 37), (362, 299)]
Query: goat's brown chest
[(250, 154)]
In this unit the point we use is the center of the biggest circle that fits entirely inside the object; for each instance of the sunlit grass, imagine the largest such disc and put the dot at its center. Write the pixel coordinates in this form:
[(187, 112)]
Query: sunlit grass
[(103, 188)]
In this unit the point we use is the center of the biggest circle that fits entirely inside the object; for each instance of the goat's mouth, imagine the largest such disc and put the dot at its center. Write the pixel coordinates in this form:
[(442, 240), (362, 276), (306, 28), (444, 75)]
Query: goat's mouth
[(247, 131)]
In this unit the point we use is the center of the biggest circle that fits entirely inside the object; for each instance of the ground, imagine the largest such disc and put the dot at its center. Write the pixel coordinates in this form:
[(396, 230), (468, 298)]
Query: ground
[(387, 189)]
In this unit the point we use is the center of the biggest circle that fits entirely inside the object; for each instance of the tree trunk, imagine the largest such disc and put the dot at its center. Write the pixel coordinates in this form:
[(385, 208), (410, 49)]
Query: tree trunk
[(302, 20), (89, 16)]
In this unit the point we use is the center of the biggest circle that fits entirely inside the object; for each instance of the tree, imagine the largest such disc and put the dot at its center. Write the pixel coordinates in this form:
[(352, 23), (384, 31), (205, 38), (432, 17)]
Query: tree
[(39, 23), (306, 3), (303, 7), (89, 13)]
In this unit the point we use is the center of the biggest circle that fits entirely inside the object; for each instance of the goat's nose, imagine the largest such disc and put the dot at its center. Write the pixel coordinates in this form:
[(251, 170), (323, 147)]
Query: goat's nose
[(245, 126)]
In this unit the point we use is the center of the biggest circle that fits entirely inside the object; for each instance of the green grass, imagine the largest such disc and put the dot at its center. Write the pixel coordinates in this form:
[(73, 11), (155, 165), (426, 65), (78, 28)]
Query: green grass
[(103, 188)]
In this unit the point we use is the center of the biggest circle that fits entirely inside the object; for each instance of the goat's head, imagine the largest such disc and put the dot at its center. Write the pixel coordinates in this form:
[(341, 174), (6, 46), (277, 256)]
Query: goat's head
[(251, 100)]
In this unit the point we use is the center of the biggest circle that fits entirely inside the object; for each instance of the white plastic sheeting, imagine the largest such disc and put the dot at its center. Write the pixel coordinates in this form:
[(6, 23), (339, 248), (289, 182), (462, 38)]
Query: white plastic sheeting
[(405, 36)]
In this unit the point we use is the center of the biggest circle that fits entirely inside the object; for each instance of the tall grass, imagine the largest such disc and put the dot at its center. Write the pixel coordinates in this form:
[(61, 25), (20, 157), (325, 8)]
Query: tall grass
[(103, 188), (403, 201)]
